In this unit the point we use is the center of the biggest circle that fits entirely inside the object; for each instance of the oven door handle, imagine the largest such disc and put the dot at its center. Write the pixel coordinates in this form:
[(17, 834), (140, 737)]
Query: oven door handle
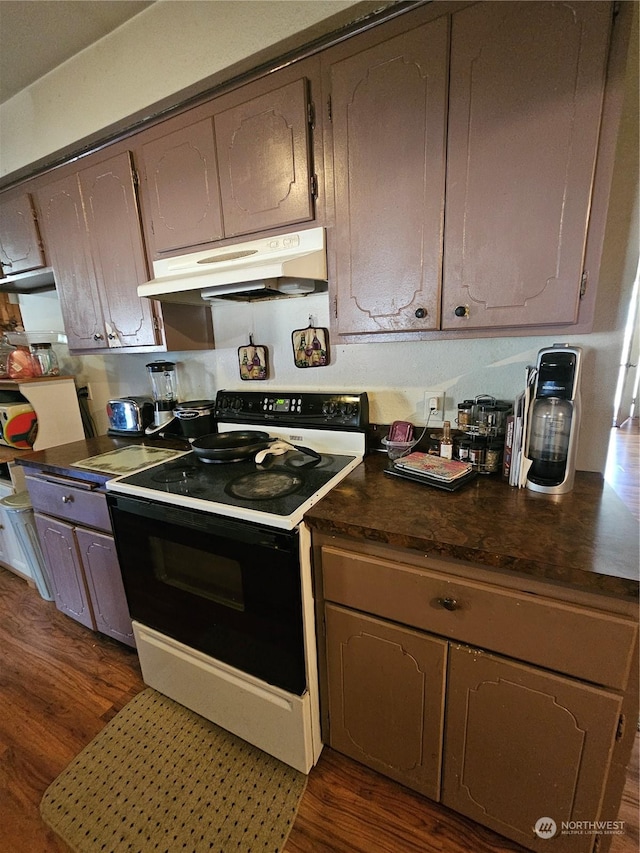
[(225, 528)]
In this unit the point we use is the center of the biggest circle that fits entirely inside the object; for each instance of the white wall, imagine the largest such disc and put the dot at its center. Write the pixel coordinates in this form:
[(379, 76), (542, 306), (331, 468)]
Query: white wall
[(395, 375), (168, 47)]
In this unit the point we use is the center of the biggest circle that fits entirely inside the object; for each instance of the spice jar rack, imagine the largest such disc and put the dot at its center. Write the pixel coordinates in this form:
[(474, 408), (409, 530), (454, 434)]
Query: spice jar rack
[(482, 421)]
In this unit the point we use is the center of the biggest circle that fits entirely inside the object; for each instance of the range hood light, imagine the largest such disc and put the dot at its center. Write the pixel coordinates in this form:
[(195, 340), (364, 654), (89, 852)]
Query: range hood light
[(226, 289), (270, 288)]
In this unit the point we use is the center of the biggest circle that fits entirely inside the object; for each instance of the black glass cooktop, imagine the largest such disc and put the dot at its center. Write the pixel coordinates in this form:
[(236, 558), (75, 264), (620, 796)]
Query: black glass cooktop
[(280, 485)]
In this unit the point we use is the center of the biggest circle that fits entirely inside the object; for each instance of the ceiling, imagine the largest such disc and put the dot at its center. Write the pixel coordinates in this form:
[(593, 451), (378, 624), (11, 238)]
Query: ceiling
[(38, 35)]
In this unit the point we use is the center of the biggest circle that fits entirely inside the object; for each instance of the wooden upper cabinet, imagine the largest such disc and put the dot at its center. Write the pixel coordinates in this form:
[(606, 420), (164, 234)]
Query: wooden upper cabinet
[(526, 91), (117, 249), (92, 228), (388, 124), (264, 158), (180, 175), (65, 231), (20, 244)]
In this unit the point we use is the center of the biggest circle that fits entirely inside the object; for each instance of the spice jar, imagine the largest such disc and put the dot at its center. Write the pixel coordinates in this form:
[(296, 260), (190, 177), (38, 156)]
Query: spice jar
[(463, 450), (45, 360), (492, 457), (487, 416), (476, 456), (465, 413)]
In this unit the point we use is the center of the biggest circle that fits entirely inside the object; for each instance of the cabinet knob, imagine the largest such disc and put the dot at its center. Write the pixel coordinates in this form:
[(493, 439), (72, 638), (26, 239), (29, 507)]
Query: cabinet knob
[(67, 499), (448, 603), (461, 311), (111, 336), (420, 313), (98, 337)]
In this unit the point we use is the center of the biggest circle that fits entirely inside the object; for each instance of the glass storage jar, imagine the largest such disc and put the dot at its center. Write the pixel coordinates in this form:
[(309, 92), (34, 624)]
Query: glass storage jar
[(45, 360)]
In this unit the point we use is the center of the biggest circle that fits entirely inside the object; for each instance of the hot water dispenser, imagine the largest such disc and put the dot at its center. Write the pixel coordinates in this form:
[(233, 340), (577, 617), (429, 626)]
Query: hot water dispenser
[(554, 421)]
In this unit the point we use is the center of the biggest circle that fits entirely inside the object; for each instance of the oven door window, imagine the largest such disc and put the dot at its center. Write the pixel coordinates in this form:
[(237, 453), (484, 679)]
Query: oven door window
[(226, 588), (215, 578)]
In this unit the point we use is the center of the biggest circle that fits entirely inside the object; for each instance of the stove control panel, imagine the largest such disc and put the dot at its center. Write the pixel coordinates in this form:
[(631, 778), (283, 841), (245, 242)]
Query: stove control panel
[(318, 410)]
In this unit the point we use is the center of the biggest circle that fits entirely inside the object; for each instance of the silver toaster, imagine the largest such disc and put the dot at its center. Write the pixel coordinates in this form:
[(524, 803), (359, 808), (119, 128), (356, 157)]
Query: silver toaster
[(129, 415)]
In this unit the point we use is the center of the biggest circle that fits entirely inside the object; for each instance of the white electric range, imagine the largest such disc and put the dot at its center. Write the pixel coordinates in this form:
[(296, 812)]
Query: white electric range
[(216, 563)]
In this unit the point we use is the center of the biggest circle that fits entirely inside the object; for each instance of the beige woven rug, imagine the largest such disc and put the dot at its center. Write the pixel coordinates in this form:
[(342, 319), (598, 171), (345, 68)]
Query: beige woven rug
[(160, 778)]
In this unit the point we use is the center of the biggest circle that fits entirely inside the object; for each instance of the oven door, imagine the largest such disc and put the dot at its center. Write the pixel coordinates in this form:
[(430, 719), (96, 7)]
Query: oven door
[(230, 589)]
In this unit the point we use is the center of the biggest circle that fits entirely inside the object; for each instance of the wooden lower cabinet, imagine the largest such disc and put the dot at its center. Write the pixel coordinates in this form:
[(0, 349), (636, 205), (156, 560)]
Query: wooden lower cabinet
[(85, 574), (491, 732), (65, 569), (386, 697), (104, 582), (522, 744)]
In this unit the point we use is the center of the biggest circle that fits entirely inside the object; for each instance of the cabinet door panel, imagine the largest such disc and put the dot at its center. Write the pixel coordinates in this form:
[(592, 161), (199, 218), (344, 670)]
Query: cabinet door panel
[(20, 245), (104, 581), (65, 232), (386, 697), (522, 744), (388, 108), (115, 237), (182, 184), (263, 157), (526, 92), (64, 568)]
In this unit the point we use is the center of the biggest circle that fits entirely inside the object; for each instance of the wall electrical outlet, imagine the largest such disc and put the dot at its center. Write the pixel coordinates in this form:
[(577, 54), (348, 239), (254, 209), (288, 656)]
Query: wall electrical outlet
[(434, 407)]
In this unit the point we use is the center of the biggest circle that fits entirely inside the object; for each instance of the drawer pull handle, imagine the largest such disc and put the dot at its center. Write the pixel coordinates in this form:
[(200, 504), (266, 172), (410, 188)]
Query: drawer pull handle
[(67, 499), (448, 603)]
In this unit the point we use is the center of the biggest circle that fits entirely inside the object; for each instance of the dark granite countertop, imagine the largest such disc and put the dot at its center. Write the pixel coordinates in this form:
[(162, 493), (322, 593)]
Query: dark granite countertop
[(57, 460), (587, 539)]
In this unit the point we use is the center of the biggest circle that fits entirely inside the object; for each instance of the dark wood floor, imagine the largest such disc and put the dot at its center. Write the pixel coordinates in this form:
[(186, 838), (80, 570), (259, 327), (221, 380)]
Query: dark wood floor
[(623, 463), (60, 684)]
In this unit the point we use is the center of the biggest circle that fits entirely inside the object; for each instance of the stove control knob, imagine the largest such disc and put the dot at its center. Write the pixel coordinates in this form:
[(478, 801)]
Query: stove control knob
[(237, 404), (329, 408)]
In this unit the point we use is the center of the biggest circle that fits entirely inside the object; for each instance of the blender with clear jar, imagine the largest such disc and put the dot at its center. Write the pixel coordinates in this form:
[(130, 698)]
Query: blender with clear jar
[(162, 375)]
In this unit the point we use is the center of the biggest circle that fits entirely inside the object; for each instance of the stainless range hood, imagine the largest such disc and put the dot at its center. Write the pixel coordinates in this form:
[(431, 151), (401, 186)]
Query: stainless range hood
[(285, 265), (33, 281)]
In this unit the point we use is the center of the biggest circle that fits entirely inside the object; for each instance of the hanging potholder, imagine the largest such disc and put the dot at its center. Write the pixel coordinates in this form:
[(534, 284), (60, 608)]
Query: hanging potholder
[(253, 361), (310, 347)]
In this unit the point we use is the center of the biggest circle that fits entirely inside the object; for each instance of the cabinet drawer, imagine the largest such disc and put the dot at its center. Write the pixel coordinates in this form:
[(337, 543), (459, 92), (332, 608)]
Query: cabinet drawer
[(69, 503), (578, 641)]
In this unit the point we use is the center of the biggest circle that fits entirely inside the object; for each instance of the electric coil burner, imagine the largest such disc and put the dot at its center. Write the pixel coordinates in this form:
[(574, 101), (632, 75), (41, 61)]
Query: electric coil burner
[(216, 563)]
